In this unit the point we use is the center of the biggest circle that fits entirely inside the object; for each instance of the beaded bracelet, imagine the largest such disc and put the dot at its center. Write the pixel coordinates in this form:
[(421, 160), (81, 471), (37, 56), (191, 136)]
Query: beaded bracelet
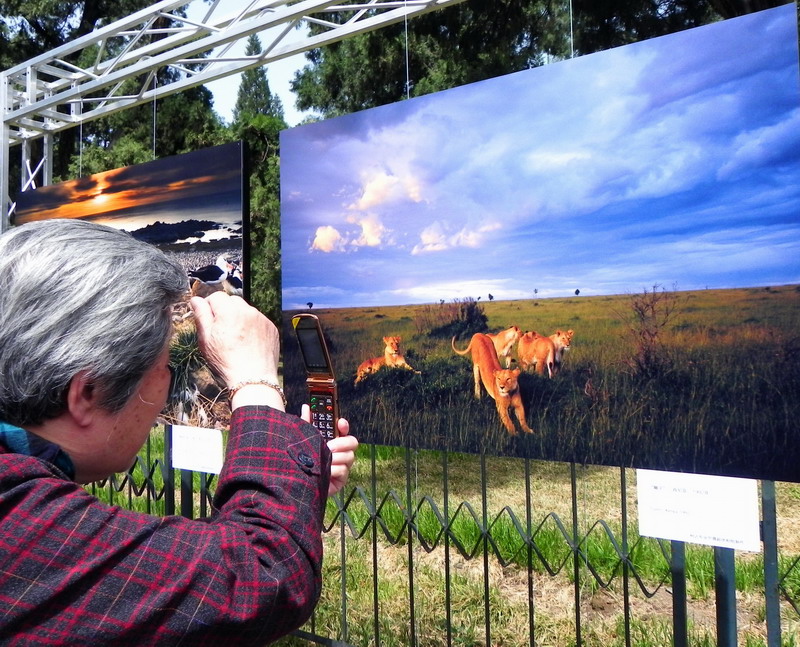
[(232, 390)]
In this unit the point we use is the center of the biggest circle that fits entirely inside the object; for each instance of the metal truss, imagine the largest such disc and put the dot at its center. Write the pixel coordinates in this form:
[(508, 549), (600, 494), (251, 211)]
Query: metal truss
[(92, 76)]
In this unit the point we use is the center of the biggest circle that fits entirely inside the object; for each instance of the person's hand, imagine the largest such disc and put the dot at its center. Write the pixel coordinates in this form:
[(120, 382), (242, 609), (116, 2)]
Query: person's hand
[(343, 452), (239, 343)]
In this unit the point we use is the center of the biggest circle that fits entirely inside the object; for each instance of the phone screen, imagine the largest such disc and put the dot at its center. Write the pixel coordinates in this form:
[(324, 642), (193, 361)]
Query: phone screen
[(312, 349), (320, 379)]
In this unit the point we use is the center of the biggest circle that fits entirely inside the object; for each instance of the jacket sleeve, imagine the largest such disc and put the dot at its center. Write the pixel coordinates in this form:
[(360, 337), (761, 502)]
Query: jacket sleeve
[(272, 494), (82, 572)]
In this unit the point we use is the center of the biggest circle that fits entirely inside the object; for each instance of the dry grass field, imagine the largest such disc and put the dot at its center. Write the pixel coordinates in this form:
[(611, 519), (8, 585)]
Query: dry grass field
[(707, 382)]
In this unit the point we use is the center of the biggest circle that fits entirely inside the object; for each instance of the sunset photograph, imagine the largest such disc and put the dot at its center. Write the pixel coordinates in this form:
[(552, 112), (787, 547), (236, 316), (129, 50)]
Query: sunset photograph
[(202, 186), (192, 207)]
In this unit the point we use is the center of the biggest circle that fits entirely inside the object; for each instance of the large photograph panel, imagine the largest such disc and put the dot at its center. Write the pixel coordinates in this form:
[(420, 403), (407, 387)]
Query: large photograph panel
[(193, 207), (640, 206)]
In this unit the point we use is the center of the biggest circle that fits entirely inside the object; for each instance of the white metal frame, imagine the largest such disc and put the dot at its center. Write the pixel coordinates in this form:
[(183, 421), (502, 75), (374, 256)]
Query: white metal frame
[(48, 93)]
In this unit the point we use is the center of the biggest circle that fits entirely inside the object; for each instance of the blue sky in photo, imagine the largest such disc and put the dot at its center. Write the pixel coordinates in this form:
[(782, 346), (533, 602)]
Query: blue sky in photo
[(674, 161)]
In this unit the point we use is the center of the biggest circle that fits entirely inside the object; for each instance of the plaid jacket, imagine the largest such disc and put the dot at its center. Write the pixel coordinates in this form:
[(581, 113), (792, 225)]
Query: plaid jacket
[(74, 571)]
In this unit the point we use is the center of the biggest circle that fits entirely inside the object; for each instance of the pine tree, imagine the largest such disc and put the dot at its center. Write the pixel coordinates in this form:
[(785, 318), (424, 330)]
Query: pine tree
[(255, 96), (481, 39), (258, 119)]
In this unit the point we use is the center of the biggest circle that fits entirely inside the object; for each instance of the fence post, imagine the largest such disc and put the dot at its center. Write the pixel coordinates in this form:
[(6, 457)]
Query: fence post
[(339, 501), (769, 537), (376, 624), (576, 554), (169, 473), (485, 543), (410, 535), (529, 542), (725, 586), (625, 557), (448, 602), (187, 494), (680, 617)]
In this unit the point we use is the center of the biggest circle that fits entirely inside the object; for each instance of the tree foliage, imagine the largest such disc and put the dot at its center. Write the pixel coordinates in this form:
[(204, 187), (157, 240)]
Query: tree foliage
[(468, 42), (176, 124), (255, 96), (481, 39), (33, 27), (258, 120)]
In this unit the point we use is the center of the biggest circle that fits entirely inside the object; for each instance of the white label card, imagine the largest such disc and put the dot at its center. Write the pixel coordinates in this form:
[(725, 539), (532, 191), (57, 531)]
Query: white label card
[(197, 448), (699, 509)]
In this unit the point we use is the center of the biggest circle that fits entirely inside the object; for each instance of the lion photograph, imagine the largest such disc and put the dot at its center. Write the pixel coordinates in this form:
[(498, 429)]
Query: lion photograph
[(635, 298)]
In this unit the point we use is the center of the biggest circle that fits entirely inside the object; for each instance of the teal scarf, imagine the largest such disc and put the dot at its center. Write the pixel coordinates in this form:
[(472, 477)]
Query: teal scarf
[(19, 441)]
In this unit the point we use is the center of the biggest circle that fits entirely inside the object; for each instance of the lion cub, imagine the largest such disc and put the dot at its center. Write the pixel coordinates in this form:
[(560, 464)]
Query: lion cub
[(539, 352), (391, 358), (500, 383)]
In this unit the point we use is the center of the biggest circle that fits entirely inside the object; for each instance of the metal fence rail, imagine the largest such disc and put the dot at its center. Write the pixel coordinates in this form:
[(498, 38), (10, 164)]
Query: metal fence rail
[(427, 532), (577, 564)]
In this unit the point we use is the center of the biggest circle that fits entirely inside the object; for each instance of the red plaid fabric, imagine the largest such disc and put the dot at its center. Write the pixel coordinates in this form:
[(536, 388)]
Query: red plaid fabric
[(74, 571)]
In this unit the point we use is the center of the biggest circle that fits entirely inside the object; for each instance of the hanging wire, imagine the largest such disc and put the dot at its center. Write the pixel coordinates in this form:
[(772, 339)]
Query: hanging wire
[(408, 71), (80, 148), (155, 87), (571, 33)]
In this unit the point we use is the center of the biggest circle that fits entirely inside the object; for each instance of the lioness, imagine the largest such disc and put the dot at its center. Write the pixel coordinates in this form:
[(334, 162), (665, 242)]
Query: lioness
[(500, 383), (539, 352), (391, 358), (504, 342)]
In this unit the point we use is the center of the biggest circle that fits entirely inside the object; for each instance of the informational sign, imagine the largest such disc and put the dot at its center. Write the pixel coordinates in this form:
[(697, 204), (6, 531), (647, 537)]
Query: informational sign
[(699, 509), (197, 448)]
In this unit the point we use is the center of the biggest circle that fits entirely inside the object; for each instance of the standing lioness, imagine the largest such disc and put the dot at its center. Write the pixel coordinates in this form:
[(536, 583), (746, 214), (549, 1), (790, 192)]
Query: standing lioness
[(504, 343), (539, 352), (500, 383)]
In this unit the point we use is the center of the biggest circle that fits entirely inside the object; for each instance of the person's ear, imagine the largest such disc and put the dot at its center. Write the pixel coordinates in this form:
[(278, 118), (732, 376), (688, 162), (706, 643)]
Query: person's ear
[(82, 399)]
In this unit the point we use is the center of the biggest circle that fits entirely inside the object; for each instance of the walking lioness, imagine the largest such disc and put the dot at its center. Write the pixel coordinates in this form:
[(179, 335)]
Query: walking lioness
[(500, 383)]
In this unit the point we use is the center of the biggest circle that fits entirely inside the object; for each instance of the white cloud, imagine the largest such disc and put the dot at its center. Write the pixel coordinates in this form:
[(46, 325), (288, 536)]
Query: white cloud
[(434, 237), (461, 288), (328, 239), (547, 160), (381, 188), (373, 231), (762, 146)]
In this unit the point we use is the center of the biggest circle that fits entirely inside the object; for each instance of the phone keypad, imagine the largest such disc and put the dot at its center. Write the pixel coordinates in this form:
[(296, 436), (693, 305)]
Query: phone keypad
[(322, 415)]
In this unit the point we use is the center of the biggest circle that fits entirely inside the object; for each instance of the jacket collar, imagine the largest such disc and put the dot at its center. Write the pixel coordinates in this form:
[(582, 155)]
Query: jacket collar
[(19, 441)]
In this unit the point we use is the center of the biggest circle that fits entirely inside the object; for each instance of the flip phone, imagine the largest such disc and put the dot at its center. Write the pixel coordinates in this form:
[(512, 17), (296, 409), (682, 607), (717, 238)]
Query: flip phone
[(320, 378)]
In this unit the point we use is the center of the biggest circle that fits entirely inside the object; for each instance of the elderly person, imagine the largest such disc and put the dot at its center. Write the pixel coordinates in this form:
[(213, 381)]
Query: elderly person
[(85, 322)]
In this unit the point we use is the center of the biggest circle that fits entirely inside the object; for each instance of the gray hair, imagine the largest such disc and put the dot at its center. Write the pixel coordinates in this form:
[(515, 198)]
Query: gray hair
[(77, 296)]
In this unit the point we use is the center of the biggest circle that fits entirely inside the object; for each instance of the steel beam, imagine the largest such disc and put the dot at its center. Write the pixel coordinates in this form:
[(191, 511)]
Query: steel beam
[(51, 93)]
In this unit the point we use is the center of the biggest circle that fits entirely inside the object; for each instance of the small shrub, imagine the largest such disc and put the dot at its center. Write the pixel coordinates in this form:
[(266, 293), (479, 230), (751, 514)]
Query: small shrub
[(652, 312), (469, 318)]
